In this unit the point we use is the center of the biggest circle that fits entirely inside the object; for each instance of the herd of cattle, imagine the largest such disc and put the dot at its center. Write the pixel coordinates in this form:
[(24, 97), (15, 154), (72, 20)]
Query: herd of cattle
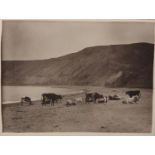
[(52, 98)]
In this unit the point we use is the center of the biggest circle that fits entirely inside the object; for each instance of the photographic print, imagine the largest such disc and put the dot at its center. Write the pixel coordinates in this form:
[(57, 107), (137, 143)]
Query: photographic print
[(77, 76)]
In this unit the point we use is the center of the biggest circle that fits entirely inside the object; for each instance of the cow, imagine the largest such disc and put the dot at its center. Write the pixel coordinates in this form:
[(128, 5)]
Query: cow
[(79, 100), (58, 98), (26, 99), (104, 99), (92, 97), (70, 102), (131, 100), (50, 98), (89, 97), (114, 97), (132, 93), (97, 96)]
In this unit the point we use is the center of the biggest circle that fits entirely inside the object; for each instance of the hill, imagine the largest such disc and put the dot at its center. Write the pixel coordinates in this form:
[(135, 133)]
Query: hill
[(127, 65)]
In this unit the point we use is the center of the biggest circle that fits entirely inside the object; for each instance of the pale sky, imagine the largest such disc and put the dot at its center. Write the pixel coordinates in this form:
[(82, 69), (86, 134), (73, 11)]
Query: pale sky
[(31, 40)]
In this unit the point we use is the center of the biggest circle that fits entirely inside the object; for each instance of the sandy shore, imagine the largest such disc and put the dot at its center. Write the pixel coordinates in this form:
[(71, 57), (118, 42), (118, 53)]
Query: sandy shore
[(111, 117)]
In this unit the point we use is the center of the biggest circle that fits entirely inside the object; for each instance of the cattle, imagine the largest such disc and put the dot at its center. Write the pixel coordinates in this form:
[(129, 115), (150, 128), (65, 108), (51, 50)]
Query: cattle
[(97, 96), (104, 99), (89, 97), (50, 98), (133, 93), (114, 97), (26, 99), (70, 102), (58, 98), (79, 100), (92, 97), (131, 100)]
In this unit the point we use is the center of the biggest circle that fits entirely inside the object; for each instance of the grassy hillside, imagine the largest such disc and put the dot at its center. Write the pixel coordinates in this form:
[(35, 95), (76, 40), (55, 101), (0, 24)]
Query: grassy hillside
[(128, 65)]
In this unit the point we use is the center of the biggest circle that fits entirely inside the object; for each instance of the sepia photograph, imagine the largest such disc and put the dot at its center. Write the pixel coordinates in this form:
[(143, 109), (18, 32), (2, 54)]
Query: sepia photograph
[(88, 76)]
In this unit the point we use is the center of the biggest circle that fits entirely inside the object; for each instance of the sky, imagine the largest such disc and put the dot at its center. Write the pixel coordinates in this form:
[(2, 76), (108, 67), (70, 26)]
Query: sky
[(33, 40)]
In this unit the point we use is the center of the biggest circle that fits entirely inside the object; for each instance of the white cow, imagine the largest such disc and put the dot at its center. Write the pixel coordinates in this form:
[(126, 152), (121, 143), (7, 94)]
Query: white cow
[(70, 102), (79, 100), (131, 100), (104, 99)]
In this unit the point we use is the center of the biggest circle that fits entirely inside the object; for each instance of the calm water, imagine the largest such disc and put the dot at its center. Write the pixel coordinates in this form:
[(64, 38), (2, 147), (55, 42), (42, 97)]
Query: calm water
[(12, 94)]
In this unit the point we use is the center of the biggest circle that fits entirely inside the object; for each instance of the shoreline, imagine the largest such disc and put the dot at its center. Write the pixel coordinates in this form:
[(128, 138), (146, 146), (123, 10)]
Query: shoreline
[(76, 90), (36, 100)]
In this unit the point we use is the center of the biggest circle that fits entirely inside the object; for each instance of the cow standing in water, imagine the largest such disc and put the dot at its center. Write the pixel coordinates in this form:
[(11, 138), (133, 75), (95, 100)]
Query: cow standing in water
[(26, 99)]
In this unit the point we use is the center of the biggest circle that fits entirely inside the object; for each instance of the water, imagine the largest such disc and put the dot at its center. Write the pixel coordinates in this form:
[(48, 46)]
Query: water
[(12, 94)]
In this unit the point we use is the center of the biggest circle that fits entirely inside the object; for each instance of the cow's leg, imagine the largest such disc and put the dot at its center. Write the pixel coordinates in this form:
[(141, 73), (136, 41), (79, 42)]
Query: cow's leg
[(106, 99), (52, 102), (42, 100), (95, 100), (139, 96), (43, 103)]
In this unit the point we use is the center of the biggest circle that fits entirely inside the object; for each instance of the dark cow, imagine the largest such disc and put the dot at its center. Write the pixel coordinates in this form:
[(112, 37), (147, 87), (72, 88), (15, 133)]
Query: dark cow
[(89, 97), (133, 93), (26, 99), (50, 98), (58, 98), (97, 96), (92, 97)]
